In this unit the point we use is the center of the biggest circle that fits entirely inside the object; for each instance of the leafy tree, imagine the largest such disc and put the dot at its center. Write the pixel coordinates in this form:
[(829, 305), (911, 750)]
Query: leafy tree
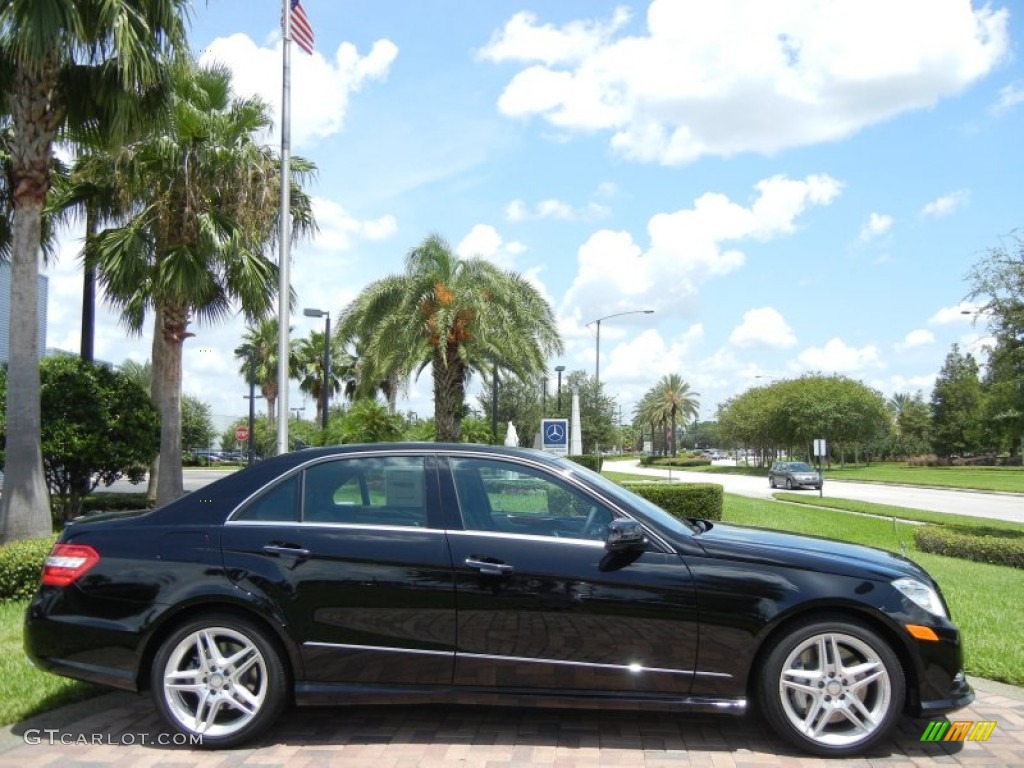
[(98, 425), (598, 412), (956, 406), (197, 428), (199, 240), (792, 413), (997, 282), (457, 316), (65, 67), (366, 421), (518, 401)]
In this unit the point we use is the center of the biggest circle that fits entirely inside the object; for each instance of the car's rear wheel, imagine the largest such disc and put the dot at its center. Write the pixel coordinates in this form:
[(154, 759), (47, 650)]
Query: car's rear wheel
[(832, 687), (219, 677), (771, 482), (789, 484)]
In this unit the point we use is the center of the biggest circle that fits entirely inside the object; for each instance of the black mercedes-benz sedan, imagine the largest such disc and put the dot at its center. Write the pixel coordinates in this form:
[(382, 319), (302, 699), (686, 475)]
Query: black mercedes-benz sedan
[(458, 573)]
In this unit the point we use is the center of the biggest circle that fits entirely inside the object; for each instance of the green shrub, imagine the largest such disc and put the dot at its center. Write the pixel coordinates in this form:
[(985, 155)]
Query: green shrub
[(588, 461), (998, 546), (682, 499), (21, 562)]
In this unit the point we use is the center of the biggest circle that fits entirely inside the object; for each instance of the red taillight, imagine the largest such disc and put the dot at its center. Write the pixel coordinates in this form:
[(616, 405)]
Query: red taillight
[(66, 562)]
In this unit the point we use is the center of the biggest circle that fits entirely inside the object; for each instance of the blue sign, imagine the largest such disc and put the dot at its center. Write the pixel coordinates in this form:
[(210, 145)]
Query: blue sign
[(554, 436)]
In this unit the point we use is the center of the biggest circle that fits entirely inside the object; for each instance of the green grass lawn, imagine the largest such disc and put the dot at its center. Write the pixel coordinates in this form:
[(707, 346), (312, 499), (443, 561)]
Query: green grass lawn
[(24, 689)]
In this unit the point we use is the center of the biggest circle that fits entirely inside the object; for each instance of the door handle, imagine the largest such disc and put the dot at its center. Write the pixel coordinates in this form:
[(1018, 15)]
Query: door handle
[(286, 550), (489, 568)]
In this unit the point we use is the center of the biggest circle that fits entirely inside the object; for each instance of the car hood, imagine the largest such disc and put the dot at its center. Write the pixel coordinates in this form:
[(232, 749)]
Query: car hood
[(811, 553)]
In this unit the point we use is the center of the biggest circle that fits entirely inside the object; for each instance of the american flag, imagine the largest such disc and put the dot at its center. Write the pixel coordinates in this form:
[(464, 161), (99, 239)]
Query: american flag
[(302, 31)]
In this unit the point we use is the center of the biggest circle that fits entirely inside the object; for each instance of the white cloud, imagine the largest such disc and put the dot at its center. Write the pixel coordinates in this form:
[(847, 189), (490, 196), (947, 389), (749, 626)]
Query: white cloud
[(688, 246), (763, 327), (836, 356), (876, 226), (518, 210), (1009, 96), (746, 76), (483, 240), (961, 313), (947, 204), (339, 229), (917, 338), (320, 86)]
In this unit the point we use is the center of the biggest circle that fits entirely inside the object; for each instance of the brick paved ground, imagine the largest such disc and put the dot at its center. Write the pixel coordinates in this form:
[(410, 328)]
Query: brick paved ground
[(481, 737)]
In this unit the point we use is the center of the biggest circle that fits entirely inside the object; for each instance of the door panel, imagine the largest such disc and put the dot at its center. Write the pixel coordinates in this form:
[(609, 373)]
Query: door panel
[(555, 610), (364, 578)]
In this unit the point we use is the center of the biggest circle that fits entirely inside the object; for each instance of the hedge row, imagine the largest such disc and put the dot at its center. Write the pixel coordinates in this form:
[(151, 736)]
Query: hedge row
[(21, 562), (682, 499), (995, 546), (589, 461), (679, 461)]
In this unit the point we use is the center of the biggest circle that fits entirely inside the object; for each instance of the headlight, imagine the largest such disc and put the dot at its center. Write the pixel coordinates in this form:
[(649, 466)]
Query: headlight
[(922, 594)]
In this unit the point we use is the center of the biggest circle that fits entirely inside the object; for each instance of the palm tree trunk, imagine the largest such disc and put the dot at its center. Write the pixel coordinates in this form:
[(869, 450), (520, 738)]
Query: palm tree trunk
[(88, 333), (169, 482), (25, 502), (449, 399), (155, 381)]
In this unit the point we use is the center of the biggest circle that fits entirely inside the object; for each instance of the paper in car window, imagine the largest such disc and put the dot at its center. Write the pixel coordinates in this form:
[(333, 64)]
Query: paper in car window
[(404, 487)]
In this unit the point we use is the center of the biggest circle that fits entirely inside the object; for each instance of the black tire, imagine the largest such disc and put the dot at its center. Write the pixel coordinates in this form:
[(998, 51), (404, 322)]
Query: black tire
[(229, 672), (771, 482), (829, 711), (789, 484)]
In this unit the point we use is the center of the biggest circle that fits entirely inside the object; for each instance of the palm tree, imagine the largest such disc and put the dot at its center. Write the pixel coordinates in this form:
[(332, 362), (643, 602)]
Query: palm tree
[(309, 353), (206, 216), (259, 345), (455, 315), (65, 66), (896, 405), (673, 398)]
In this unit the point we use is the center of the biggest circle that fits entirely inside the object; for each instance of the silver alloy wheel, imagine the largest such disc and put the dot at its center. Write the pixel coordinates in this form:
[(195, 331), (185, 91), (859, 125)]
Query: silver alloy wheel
[(215, 681), (835, 689)]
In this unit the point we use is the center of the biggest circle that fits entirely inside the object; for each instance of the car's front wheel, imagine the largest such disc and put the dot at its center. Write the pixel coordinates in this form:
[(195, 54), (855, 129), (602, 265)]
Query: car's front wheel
[(220, 678), (833, 688), (789, 484)]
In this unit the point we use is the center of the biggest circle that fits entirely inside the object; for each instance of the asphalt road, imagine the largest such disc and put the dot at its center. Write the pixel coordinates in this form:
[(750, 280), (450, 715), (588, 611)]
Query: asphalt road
[(997, 506)]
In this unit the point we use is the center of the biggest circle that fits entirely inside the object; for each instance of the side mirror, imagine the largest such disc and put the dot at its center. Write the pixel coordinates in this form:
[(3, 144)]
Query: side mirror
[(624, 535)]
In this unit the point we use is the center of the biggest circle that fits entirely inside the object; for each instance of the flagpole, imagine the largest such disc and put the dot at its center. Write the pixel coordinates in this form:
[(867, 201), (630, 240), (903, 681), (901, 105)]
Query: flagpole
[(284, 263)]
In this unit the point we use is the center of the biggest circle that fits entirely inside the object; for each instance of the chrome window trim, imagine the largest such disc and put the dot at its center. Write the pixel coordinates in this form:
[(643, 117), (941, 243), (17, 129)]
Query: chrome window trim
[(345, 526), (594, 543)]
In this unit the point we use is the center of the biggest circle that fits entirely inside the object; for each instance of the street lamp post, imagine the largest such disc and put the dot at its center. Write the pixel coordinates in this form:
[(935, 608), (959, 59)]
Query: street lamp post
[(326, 390), (559, 369), (597, 351)]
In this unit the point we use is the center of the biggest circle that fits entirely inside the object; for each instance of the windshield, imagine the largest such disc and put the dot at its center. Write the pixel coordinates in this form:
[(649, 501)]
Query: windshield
[(612, 489), (800, 466)]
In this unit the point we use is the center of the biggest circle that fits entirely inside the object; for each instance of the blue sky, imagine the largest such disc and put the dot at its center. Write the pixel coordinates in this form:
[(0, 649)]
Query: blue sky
[(792, 186)]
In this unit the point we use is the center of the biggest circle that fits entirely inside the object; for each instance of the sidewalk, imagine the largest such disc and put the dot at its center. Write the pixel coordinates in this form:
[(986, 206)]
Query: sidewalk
[(121, 729)]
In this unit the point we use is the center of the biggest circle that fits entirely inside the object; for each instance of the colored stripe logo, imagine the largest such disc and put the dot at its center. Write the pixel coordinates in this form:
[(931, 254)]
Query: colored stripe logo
[(958, 730)]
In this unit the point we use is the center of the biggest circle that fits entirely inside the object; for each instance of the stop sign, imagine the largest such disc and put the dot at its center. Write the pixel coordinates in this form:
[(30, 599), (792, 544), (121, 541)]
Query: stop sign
[(241, 433)]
